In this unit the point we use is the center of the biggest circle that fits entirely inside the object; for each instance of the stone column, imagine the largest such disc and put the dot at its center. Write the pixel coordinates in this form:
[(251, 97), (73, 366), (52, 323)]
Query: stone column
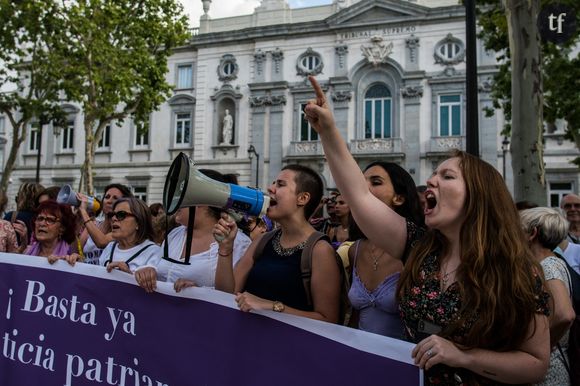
[(488, 130), (412, 95), (260, 64), (258, 105), (277, 65), (412, 53), (278, 102)]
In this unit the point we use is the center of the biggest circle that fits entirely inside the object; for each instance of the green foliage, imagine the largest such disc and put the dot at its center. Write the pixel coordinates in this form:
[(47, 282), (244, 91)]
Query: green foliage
[(115, 55), (27, 74), (560, 68)]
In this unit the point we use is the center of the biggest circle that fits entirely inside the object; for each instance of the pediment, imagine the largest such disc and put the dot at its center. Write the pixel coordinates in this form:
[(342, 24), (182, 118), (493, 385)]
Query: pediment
[(370, 11), (181, 99)]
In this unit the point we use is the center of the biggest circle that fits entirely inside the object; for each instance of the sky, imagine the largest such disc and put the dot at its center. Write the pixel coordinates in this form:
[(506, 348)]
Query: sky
[(226, 8)]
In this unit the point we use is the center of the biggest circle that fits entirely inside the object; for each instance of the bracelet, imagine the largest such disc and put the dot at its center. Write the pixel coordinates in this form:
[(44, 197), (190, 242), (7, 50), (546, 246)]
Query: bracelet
[(224, 255), (89, 220)]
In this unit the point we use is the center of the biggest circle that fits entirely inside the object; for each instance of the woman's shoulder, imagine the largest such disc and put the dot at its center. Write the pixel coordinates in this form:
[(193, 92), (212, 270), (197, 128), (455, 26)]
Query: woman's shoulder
[(554, 268)]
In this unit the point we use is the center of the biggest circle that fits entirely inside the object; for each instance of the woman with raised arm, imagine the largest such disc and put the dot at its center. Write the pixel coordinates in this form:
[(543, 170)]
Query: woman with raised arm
[(471, 295), (375, 273), (272, 279), (98, 233)]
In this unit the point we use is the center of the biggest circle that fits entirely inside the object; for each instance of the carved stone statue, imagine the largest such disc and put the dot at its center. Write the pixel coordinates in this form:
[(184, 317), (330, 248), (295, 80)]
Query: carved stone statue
[(227, 125)]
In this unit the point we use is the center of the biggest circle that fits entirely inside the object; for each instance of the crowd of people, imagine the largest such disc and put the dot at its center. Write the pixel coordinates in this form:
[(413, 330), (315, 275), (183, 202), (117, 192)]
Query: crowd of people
[(453, 266)]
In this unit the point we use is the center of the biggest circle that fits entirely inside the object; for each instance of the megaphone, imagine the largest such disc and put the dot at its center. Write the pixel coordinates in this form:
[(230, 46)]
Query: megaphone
[(68, 196), (185, 186)]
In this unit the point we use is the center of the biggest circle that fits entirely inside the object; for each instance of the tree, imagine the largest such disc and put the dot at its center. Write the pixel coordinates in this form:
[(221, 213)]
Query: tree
[(560, 74), (27, 71), (113, 62)]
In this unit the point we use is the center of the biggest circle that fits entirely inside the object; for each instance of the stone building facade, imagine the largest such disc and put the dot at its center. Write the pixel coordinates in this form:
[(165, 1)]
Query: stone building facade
[(393, 71)]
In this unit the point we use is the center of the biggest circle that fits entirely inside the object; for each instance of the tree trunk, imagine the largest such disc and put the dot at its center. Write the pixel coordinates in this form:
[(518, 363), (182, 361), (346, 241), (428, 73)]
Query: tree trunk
[(18, 136), (87, 168), (527, 101)]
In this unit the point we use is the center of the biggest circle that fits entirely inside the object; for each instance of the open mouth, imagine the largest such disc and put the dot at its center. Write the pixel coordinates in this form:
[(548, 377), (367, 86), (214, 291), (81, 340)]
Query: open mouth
[(115, 227), (430, 199), (273, 202)]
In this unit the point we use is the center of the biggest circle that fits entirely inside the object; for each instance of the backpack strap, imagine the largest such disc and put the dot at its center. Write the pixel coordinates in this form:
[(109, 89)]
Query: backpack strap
[(306, 262), (266, 237)]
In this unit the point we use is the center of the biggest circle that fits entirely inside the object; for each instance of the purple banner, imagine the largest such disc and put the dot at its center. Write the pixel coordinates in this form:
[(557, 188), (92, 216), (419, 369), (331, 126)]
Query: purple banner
[(83, 326)]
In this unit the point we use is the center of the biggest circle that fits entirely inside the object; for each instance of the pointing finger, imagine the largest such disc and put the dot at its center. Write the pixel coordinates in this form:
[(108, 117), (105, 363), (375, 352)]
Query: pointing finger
[(320, 97)]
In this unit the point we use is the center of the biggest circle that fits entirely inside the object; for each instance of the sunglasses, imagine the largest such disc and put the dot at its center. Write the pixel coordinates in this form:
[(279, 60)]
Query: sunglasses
[(120, 215), (47, 220)]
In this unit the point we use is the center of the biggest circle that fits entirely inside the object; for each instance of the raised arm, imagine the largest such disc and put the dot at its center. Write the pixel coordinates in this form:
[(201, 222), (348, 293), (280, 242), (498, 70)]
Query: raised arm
[(91, 228), (374, 218)]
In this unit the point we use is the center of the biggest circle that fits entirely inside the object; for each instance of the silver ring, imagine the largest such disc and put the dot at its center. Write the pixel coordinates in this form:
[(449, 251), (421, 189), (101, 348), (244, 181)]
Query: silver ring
[(429, 353)]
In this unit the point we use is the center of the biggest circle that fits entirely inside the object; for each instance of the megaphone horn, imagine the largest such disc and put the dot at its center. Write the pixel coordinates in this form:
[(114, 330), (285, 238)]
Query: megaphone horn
[(68, 196), (186, 186)]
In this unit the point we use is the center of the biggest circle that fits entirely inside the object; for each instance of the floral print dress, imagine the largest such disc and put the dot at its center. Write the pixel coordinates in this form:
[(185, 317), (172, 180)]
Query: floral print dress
[(426, 310)]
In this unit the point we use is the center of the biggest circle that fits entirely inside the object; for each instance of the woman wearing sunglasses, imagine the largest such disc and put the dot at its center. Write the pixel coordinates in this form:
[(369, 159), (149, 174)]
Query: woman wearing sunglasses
[(98, 232), (131, 231), (54, 231)]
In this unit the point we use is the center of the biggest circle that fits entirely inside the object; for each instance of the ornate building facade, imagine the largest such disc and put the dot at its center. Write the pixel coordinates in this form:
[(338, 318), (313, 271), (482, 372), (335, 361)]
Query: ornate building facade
[(393, 71)]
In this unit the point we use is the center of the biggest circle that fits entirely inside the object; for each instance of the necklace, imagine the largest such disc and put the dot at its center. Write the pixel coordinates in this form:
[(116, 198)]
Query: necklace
[(375, 257), (445, 277), (279, 249)]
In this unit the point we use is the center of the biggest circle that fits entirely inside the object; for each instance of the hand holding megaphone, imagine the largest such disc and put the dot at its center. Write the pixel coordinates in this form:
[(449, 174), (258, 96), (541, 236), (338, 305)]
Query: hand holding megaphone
[(224, 232), (68, 196)]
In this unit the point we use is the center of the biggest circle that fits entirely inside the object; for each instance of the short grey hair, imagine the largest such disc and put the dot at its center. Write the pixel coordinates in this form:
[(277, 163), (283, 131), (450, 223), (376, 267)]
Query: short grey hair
[(552, 227)]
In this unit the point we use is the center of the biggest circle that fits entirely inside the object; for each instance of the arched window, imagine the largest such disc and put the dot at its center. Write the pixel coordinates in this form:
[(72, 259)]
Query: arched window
[(377, 110)]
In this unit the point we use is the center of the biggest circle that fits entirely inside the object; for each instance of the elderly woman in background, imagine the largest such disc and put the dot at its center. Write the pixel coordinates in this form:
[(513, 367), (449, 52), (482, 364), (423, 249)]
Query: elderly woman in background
[(54, 231), (8, 241), (546, 228)]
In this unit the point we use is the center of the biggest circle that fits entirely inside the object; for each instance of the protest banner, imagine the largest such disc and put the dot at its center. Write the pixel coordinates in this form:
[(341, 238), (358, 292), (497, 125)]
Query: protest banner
[(63, 325)]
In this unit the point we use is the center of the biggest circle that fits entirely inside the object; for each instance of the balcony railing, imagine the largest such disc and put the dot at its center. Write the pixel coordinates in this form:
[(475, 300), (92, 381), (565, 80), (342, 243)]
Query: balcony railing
[(376, 146)]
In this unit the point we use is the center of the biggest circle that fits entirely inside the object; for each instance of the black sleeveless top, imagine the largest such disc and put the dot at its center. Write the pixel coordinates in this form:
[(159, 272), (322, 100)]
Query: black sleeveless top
[(278, 278)]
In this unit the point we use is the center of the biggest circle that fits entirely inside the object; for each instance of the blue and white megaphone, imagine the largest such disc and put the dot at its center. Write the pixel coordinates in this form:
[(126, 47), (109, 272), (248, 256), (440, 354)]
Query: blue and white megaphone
[(185, 186), (68, 196)]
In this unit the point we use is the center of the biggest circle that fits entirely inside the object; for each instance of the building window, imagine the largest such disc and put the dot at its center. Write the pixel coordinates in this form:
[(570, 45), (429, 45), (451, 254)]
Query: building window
[(105, 141), (141, 137), (557, 191), (34, 137), (228, 68), (307, 133), (449, 51), (68, 136), (309, 63), (185, 76), (377, 112), (140, 192), (449, 115), (182, 129), (1, 125)]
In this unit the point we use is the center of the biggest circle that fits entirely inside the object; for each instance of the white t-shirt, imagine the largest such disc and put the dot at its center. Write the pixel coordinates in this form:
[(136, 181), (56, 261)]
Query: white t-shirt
[(202, 266), (146, 257), (91, 251)]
